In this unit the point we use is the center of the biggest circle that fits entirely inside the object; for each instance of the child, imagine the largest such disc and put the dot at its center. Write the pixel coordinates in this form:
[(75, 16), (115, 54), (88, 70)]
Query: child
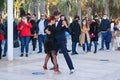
[(108, 39)]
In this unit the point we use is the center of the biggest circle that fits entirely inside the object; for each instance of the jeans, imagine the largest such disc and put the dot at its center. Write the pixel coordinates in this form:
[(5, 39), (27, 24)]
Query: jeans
[(74, 47), (62, 45), (95, 45), (86, 43), (107, 45), (5, 47), (41, 39), (103, 36), (25, 44), (0, 49)]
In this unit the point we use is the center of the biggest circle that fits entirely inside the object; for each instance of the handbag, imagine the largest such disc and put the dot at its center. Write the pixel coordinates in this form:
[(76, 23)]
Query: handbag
[(16, 43), (92, 35)]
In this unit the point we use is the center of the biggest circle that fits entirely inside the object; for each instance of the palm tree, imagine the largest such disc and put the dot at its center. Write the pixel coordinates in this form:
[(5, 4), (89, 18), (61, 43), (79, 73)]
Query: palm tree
[(79, 9)]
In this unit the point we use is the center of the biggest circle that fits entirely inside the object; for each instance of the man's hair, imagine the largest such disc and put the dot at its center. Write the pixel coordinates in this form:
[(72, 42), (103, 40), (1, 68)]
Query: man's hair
[(56, 13)]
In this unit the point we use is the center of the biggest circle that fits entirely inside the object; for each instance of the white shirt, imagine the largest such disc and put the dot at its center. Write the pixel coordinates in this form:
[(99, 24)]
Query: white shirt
[(112, 27), (41, 27), (57, 22)]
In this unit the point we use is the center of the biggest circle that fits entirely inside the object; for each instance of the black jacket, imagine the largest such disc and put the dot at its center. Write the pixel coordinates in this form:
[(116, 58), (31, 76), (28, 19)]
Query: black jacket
[(94, 30), (34, 28), (45, 23), (75, 31), (15, 32), (60, 32), (2, 30)]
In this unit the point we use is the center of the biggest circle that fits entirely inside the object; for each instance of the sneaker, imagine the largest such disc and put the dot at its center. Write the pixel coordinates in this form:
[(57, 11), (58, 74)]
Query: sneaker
[(4, 55), (45, 67), (26, 55), (107, 50), (101, 49), (68, 50), (39, 52), (72, 71), (21, 55)]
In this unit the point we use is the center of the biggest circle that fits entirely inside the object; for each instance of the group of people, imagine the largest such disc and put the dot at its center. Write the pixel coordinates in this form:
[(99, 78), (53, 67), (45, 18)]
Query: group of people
[(50, 33)]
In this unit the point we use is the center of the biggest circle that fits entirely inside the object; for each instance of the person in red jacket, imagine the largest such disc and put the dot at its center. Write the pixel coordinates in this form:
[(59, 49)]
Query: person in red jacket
[(1, 36), (24, 27)]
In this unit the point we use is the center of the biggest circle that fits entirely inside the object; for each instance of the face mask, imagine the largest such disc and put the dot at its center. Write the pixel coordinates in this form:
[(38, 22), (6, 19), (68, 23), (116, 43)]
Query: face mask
[(84, 22), (104, 17), (24, 20)]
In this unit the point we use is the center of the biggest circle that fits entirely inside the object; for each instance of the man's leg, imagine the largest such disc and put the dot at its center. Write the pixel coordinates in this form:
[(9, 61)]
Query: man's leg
[(0, 49), (5, 48), (40, 38), (66, 56)]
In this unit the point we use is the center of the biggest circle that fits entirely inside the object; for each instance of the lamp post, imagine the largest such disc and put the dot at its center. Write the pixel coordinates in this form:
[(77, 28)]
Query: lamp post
[(10, 29)]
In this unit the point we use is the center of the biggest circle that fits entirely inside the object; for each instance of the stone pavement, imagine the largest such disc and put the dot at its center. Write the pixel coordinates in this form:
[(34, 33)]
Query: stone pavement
[(101, 66)]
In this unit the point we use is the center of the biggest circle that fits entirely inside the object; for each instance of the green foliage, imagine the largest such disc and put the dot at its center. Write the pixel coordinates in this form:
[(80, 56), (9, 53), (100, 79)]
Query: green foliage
[(2, 4)]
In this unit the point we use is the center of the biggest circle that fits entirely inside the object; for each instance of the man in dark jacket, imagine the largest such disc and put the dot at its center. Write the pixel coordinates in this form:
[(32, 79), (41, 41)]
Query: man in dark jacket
[(42, 23), (60, 27), (75, 33), (15, 35), (104, 26)]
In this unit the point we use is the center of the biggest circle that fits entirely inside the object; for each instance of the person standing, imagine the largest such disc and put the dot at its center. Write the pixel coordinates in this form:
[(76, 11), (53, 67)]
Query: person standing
[(24, 27), (1, 36), (85, 37), (94, 35), (75, 33), (42, 23), (34, 32), (104, 26), (60, 27)]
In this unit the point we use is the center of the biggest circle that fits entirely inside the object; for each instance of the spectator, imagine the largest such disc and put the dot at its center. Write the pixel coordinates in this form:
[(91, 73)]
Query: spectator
[(42, 23), (104, 26), (24, 27), (75, 33)]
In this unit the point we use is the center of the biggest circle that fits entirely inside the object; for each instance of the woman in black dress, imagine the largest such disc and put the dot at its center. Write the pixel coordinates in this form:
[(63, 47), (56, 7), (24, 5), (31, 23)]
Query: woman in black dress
[(49, 44)]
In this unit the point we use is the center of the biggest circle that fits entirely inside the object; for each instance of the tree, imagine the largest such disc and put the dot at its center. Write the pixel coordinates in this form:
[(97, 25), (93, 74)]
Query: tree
[(1, 5), (42, 7)]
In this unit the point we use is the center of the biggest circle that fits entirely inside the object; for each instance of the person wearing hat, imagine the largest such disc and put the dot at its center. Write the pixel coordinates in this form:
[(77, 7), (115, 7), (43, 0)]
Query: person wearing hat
[(60, 27), (42, 23)]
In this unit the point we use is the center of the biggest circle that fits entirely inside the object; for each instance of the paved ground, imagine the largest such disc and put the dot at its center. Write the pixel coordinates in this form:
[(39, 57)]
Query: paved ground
[(101, 66)]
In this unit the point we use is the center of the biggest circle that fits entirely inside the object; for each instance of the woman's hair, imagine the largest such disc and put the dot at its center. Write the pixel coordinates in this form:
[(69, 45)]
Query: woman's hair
[(117, 21), (76, 16), (50, 18), (86, 23)]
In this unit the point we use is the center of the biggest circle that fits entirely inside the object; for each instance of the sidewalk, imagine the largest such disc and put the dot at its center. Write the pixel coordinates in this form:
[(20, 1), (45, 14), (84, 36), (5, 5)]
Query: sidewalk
[(101, 66)]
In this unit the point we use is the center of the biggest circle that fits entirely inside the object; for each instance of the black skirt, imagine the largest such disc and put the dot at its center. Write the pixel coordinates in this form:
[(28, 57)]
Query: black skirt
[(49, 45)]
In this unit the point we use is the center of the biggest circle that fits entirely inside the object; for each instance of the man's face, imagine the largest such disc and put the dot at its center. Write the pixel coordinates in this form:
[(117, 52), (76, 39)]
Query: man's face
[(42, 16), (57, 17)]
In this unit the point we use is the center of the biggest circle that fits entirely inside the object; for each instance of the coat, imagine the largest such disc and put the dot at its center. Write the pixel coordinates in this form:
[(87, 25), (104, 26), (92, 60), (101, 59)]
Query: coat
[(25, 31), (1, 32), (75, 31), (94, 30), (84, 31)]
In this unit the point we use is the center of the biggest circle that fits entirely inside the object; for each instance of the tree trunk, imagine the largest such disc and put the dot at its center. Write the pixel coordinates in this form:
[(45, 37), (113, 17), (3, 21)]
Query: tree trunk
[(36, 9), (89, 10), (48, 10), (106, 8), (79, 10), (42, 6)]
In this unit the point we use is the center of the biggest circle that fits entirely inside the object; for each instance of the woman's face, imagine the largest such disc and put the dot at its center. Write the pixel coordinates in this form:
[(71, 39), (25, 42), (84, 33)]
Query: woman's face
[(62, 17), (53, 22)]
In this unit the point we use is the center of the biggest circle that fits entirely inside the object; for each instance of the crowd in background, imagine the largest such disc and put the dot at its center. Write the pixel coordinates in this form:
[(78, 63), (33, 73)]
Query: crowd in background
[(51, 37)]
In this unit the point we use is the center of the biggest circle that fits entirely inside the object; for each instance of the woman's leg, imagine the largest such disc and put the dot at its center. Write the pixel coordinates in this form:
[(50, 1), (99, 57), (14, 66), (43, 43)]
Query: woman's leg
[(54, 61), (95, 45), (27, 45), (46, 61)]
